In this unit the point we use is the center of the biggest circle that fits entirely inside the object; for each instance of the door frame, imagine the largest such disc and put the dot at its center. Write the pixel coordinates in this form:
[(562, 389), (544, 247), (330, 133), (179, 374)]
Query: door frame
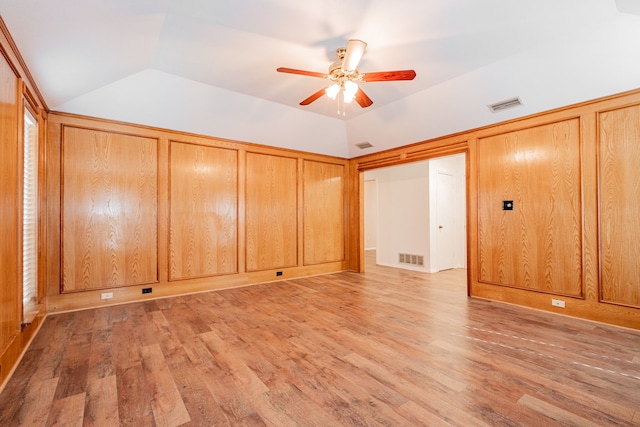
[(436, 152)]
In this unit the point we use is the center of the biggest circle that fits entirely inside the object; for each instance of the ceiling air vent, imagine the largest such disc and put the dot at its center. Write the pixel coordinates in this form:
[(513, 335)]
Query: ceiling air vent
[(364, 145), (503, 105)]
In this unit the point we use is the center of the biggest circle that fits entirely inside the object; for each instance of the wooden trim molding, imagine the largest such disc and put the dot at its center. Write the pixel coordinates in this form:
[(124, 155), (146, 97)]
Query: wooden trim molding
[(25, 73)]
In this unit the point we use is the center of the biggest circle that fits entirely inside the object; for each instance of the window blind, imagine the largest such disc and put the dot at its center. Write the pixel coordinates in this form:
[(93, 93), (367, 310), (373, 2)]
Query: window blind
[(30, 214)]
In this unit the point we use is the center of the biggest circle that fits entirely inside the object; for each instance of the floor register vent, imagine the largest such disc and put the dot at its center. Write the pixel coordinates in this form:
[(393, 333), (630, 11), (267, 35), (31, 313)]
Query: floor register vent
[(411, 259)]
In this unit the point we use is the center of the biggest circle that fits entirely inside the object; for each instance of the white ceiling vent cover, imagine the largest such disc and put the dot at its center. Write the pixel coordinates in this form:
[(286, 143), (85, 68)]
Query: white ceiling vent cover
[(363, 145), (503, 105)]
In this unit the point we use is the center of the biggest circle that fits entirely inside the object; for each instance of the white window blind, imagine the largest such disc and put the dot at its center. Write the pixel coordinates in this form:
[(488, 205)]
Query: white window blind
[(30, 215)]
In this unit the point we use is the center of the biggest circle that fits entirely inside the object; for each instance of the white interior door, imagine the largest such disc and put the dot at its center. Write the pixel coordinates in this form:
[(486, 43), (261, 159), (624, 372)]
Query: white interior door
[(445, 214)]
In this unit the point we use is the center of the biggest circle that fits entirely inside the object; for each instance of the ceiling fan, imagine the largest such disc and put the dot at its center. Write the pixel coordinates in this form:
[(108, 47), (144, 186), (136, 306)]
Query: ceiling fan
[(344, 76)]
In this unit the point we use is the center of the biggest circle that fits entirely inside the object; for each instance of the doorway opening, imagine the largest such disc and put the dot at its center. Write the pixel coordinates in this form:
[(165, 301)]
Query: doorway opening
[(415, 215)]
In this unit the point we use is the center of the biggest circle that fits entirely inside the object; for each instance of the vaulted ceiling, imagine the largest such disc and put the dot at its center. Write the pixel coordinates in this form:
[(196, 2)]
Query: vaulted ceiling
[(209, 66)]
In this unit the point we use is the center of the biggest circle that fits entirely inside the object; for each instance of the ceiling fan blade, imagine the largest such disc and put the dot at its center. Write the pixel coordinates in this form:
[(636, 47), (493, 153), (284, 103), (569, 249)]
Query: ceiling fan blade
[(313, 97), (355, 49), (363, 99), (384, 76), (301, 72)]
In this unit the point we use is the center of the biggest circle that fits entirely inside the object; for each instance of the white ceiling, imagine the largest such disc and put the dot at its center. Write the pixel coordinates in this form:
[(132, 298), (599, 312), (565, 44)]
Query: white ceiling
[(209, 66)]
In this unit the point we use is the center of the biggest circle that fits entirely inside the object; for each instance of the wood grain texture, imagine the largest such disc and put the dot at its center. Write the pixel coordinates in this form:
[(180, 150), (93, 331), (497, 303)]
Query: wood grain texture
[(203, 225), (537, 245), (109, 209), (68, 411), (10, 223), (385, 347), (271, 211), (237, 274), (619, 184), (52, 226), (167, 405), (101, 402), (355, 220), (323, 212)]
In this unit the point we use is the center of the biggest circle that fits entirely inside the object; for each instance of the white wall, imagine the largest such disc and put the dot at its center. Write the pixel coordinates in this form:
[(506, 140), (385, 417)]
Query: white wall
[(403, 213), (143, 97), (406, 205)]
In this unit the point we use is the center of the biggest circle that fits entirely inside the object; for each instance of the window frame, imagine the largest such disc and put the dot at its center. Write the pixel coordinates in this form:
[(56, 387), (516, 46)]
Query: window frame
[(30, 270)]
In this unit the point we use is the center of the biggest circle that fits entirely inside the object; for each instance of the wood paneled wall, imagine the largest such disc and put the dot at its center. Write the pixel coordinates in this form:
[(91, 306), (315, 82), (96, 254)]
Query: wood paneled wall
[(573, 175), (143, 207), (10, 257), (324, 216), (271, 212), (538, 244), (109, 209), (16, 91), (203, 200), (619, 203)]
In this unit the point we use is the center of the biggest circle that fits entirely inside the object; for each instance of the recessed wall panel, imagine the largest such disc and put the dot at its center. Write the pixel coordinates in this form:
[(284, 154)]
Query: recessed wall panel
[(271, 211), (529, 209), (109, 209), (323, 212), (203, 214), (619, 184)]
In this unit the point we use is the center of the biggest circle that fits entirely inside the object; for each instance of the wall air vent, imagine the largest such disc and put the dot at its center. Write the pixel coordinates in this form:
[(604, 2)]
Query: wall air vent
[(506, 104), (363, 145), (417, 260)]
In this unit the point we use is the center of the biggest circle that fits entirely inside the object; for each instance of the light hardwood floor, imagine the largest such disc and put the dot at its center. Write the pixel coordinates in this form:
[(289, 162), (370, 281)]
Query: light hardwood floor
[(388, 347)]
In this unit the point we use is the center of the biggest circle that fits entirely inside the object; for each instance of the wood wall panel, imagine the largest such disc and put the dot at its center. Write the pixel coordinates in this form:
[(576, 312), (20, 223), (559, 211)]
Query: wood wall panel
[(10, 258), (203, 189), (271, 211), (53, 219), (203, 211), (619, 183), (16, 87), (323, 212), (109, 226), (537, 245), (312, 244)]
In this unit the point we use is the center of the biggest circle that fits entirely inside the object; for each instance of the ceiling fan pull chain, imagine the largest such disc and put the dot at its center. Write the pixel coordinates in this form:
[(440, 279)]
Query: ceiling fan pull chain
[(341, 106)]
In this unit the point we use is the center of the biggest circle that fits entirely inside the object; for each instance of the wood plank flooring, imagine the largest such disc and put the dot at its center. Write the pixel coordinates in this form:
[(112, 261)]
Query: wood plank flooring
[(388, 347)]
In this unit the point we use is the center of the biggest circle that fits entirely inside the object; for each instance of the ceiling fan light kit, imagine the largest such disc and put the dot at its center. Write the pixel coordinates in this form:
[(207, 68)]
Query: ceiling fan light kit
[(344, 77)]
